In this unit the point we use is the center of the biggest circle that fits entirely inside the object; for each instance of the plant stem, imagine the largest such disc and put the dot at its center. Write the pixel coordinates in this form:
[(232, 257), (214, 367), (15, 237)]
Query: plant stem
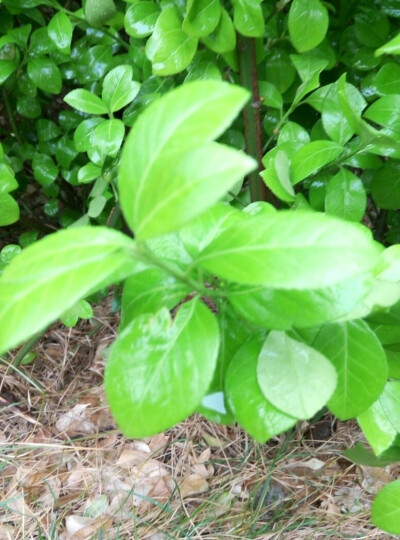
[(252, 118), (11, 118), (25, 349), (251, 113)]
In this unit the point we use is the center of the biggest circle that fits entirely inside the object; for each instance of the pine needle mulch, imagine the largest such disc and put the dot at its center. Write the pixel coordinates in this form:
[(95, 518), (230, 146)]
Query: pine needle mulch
[(67, 473)]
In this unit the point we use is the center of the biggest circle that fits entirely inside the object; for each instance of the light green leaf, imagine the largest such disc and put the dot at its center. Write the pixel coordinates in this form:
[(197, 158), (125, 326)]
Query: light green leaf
[(118, 88), (360, 362), (391, 47), (279, 309), (386, 508), (293, 376), (291, 250), (311, 157), (201, 231), (308, 23), (169, 48), (223, 38), (387, 79), (190, 185), (96, 206), (346, 196), (334, 119), (270, 95), (108, 137), (140, 19), (50, 275), (248, 17), (84, 133), (83, 100), (360, 455), (202, 17), (385, 111), (45, 74), (60, 32), (160, 141), (253, 411), (9, 210), (158, 370), (148, 291), (81, 309), (379, 428), (88, 172), (7, 179), (97, 12)]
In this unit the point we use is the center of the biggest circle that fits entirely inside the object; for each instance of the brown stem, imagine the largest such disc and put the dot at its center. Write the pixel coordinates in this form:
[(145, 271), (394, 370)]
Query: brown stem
[(252, 117)]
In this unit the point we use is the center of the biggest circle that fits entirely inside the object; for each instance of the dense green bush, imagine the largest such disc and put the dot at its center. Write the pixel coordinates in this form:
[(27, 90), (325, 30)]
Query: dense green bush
[(258, 301)]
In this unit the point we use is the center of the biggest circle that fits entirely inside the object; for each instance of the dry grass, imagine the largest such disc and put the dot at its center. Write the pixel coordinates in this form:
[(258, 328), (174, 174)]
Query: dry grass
[(67, 473)]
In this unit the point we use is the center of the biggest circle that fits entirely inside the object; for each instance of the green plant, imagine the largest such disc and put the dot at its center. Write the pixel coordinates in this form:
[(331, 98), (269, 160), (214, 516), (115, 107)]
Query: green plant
[(258, 302)]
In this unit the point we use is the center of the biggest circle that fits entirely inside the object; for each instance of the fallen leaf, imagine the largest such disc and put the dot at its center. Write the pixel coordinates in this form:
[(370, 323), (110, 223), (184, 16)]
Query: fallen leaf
[(129, 458), (82, 528), (193, 484), (374, 478), (75, 421)]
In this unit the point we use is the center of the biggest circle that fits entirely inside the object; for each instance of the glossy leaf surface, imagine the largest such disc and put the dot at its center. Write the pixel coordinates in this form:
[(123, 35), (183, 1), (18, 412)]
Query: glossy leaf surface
[(118, 88), (386, 508), (251, 408), (157, 365), (202, 17), (60, 31), (169, 48), (165, 186), (148, 291), (311, 157), (296, 378), (346, 196), (83, 100), (308, 23), (270, 249), (63, 268), (361, 366), (280, 309)]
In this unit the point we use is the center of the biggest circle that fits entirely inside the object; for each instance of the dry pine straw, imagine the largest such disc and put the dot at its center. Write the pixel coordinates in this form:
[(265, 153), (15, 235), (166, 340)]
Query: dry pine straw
[(67, 473)]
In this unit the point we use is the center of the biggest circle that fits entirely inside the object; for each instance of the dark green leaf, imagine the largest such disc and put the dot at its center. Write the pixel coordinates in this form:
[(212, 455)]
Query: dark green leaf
[(45, 170), (360, 455), (45, 74), (60, 32)]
